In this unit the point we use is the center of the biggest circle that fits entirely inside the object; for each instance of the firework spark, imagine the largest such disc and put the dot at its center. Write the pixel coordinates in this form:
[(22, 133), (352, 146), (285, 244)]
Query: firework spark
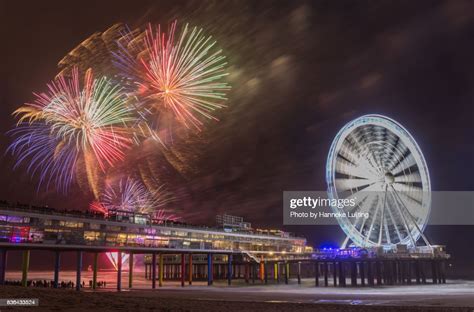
[(183, 74), (132, 195), (67, 123)]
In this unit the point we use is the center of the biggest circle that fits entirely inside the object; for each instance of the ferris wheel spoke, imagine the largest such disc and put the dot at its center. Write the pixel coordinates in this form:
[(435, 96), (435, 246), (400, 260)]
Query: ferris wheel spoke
[(387, 233), (382, 218), (414, 177), (351, 184), (366, 164), (404, 165), (412, 194), (374, 217), (404, 221), (402, 153), (352, 147), (363, 195), (372, 162), (395, 225), (412, 218), (345, 167)]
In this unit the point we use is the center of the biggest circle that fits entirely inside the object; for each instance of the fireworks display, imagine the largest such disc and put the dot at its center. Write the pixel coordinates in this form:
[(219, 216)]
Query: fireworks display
[(94, 131), (131, 195), (69, 123), (183, 74)]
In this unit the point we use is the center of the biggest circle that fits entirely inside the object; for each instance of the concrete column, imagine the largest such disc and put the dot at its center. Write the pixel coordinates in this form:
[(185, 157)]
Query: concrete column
[(3, 265), (316, 274), (409, 266), (209, 269), (161, 271), (247, 272), (326, 283), (439, 269), (287, 271), (362, 272), (153, 270), (262, 269), (342, 274), (119, 270), (57, 264), (265, 272), (94, 270), (370, 276), (433, 271), (353, 273), (334, 276), (183, 269), (416, 264), (423, 272), (78, 270), (24, 267), (190, 269), (254, 272), (229, 269), (443, 271), (275, 271), (299, 272), (130, 270), (378, 273)]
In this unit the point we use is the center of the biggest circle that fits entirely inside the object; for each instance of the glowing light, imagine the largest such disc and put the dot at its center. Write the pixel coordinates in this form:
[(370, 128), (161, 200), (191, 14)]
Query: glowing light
[(69, 123), (183, 74), (132, 195), (113, 258)]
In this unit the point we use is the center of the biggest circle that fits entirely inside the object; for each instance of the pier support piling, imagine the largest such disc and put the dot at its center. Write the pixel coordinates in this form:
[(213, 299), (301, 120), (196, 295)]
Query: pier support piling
[(94, 272), (119, 271), (78, 270), (326, 283), (3, 265), (299, 272), (229, 269), (130, 270), (161, 271), (153, 271), (24, 267), (265, 272), (209, 269), (57, 264), (316, 274), (183, 269), (190, 269)]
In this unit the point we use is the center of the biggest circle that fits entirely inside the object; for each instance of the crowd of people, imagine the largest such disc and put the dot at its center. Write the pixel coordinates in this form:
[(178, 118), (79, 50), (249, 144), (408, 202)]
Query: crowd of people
[(50, 284)]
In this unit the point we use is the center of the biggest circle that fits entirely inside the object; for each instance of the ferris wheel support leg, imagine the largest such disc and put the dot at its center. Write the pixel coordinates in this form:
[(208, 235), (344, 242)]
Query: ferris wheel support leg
[(344, 243), (412, 219)]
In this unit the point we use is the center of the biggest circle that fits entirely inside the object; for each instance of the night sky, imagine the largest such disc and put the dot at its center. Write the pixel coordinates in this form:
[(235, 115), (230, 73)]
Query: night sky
[(299, 71)]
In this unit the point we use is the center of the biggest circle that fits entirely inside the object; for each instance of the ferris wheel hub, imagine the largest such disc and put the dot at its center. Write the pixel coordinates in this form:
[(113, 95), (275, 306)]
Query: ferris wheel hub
[(389, 178)]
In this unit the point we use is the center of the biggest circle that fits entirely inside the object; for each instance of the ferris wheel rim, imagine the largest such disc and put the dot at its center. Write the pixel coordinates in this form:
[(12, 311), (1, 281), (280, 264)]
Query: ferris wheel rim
[(390, 125)]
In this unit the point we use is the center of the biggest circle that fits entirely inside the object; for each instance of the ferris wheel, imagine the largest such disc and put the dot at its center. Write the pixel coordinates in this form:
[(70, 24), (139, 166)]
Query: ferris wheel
[(376, 162)]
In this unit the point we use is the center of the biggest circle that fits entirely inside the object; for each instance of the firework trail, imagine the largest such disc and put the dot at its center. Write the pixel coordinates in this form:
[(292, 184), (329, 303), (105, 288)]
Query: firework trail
[(182, 74), (132, 195), (70, 124), (98, 207)]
